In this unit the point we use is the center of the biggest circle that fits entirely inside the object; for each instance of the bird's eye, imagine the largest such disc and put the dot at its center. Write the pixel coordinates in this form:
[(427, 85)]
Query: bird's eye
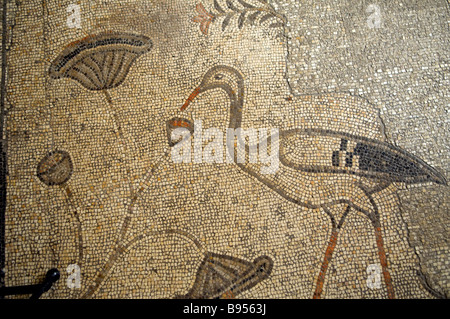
[(219, 77)]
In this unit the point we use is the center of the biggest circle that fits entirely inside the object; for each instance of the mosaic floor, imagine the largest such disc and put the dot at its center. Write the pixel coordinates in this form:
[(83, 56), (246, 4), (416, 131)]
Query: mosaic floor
[(226, 148)]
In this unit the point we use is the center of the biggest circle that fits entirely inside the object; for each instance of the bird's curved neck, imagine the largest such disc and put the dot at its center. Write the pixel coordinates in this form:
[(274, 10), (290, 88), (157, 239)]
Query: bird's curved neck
[(236, 96)]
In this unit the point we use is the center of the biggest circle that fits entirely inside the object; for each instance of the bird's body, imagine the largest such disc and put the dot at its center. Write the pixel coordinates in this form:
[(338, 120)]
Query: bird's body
[(321, 168)]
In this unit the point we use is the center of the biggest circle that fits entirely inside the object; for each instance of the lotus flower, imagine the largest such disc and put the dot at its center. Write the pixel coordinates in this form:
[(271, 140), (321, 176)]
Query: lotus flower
[(55, 169), (100, 62), (222, 276)]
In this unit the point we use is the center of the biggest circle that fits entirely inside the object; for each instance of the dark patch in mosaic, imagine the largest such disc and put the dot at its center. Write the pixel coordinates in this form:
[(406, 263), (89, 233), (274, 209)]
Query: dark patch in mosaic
[(225, 277)]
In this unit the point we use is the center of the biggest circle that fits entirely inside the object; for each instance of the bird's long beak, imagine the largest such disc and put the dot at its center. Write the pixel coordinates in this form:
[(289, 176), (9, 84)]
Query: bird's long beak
[(440, 179), (191, 98)]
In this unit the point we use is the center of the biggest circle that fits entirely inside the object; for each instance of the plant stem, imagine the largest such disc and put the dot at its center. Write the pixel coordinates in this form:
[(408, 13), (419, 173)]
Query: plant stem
[(122, 141), (69, 197), (120, 249)]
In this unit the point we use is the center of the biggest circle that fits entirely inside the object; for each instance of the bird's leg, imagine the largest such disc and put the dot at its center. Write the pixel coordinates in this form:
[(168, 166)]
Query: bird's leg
[(329, 251), (375, 218), (326, 261), (383, 261)]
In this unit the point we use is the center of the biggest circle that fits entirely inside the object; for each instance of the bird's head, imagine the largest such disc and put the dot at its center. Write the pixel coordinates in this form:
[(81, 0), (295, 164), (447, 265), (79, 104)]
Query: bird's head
[(221, 76)]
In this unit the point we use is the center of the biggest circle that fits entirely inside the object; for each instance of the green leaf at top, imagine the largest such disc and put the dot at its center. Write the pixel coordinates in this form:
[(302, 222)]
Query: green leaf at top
[(245, 4), (266, 17), (232, 7), (241, 19), (253, 16), (226, 21), (218, 7)]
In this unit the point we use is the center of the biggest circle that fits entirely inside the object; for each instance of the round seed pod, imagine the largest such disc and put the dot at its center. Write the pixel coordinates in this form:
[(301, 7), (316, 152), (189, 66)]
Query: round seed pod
[(55, 169)]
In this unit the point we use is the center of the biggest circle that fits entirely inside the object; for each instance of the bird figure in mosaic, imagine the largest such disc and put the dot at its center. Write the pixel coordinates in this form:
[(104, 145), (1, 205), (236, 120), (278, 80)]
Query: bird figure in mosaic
[(324, 169)]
